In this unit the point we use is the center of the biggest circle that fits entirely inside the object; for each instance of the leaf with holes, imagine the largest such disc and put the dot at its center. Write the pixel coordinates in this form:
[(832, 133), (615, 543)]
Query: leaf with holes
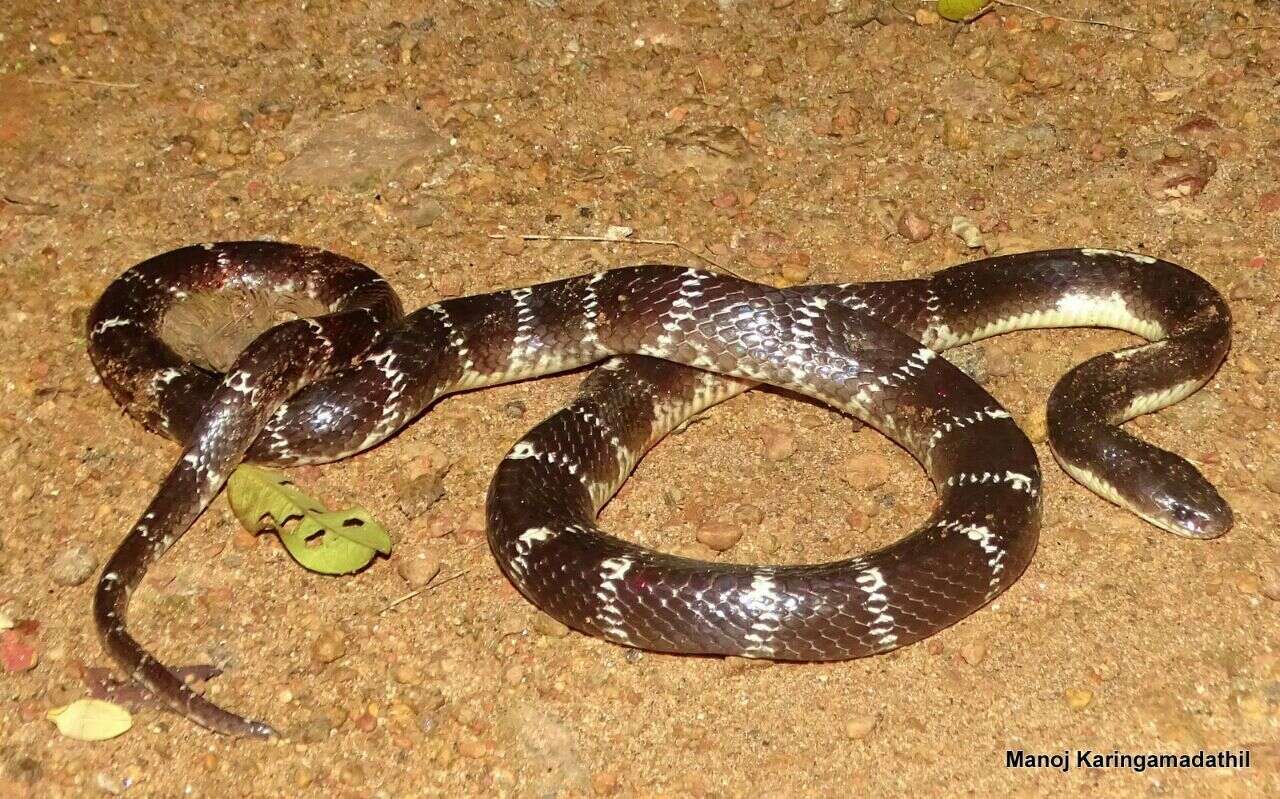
[(329, 542), (961, 10)]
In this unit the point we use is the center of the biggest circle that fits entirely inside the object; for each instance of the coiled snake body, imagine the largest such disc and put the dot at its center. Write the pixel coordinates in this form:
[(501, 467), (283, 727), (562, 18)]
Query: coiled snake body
[(319, 389)]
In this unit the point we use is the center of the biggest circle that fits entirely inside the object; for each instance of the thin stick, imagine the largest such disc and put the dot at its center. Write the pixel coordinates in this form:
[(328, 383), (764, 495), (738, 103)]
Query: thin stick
[(609, 239), (615, 240), (431, 587), (1040, 13), (106, 84), (37, 207)]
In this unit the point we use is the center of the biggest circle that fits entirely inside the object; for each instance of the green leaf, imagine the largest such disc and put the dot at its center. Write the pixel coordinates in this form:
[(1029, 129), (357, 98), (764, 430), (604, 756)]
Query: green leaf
[(961, 10), (329, 542)]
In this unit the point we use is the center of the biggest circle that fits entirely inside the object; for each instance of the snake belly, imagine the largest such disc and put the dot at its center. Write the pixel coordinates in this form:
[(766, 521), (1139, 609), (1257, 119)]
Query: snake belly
[(324, 388)]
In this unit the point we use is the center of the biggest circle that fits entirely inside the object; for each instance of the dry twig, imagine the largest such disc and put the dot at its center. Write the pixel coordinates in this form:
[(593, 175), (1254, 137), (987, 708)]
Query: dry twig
[(1046, 15), (430, 587), (105, 84)]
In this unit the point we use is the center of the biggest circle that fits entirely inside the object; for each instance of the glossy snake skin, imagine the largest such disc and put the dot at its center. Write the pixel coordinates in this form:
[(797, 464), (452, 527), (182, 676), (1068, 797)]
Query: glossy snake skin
[(323, 388)]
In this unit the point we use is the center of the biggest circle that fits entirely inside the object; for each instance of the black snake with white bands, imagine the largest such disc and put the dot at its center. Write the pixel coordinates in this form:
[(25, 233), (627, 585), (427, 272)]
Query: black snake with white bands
[(322, 388)]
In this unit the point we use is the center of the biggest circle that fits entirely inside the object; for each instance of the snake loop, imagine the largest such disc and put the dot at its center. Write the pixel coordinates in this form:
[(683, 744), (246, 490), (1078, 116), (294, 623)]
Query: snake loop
[(676, 340)]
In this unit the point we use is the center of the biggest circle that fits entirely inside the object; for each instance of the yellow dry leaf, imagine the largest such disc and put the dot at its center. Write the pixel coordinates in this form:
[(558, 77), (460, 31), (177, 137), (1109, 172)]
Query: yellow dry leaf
[(91, 720)]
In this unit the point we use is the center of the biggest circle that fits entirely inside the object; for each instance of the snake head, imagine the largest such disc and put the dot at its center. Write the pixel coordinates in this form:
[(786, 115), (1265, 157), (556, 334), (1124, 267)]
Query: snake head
[(1182, 501)]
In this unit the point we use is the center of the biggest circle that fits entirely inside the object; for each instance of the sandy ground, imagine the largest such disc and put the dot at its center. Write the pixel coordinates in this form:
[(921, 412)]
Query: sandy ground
[(791, 141)]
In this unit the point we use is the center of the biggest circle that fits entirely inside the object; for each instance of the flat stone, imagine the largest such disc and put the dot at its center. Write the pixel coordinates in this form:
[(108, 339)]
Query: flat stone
[(365, 149)]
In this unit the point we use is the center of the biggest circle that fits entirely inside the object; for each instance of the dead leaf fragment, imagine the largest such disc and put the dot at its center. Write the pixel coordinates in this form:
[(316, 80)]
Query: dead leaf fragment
[(91, 720)]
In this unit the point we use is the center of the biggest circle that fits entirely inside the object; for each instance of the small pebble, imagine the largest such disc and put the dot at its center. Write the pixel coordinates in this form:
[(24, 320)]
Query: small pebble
[(1173, 177), (1220, 46), (16, 653), (1270, 477), (659, 33), (1248, 583), (440, 525), (719, 536), (857, 520), (428, 460), (512, 245), (429, 721), (330, 646), (913, 227), (957, 134), (974, 652), (1269, 581), (1166, 41), (748, 516), (419, 569), (1009, 243), (513, 675), (473, 527), (1078, 698), (1076, 535), (967, 232), (406, 674), (867, 470), (795, 271), (927, 16), (739, 665), (604, 783), (999, 362), (779, 445), (724, 200), (713, 71), (72, 566), (1036, 426), (448, 284), (860, 727), (210, 112), (767, 543), (1248, 364), (1254, 707), (315, 725), (415, 496), (351, 774), (98, 24)]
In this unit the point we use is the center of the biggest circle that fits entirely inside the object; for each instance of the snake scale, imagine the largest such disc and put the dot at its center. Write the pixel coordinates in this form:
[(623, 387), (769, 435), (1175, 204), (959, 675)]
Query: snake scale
[(673, 341)]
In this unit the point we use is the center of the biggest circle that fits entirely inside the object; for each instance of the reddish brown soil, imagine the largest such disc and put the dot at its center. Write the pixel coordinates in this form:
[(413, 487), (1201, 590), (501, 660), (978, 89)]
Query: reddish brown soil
[(784, 141)]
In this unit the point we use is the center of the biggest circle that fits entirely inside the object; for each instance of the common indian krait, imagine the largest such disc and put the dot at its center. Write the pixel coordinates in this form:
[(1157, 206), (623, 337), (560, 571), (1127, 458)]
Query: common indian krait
[(323, 388)]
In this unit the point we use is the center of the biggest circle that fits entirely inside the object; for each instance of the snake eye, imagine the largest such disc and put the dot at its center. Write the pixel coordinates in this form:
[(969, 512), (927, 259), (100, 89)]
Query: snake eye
[(1188, 517), (1179, 499), (1208, 518)]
